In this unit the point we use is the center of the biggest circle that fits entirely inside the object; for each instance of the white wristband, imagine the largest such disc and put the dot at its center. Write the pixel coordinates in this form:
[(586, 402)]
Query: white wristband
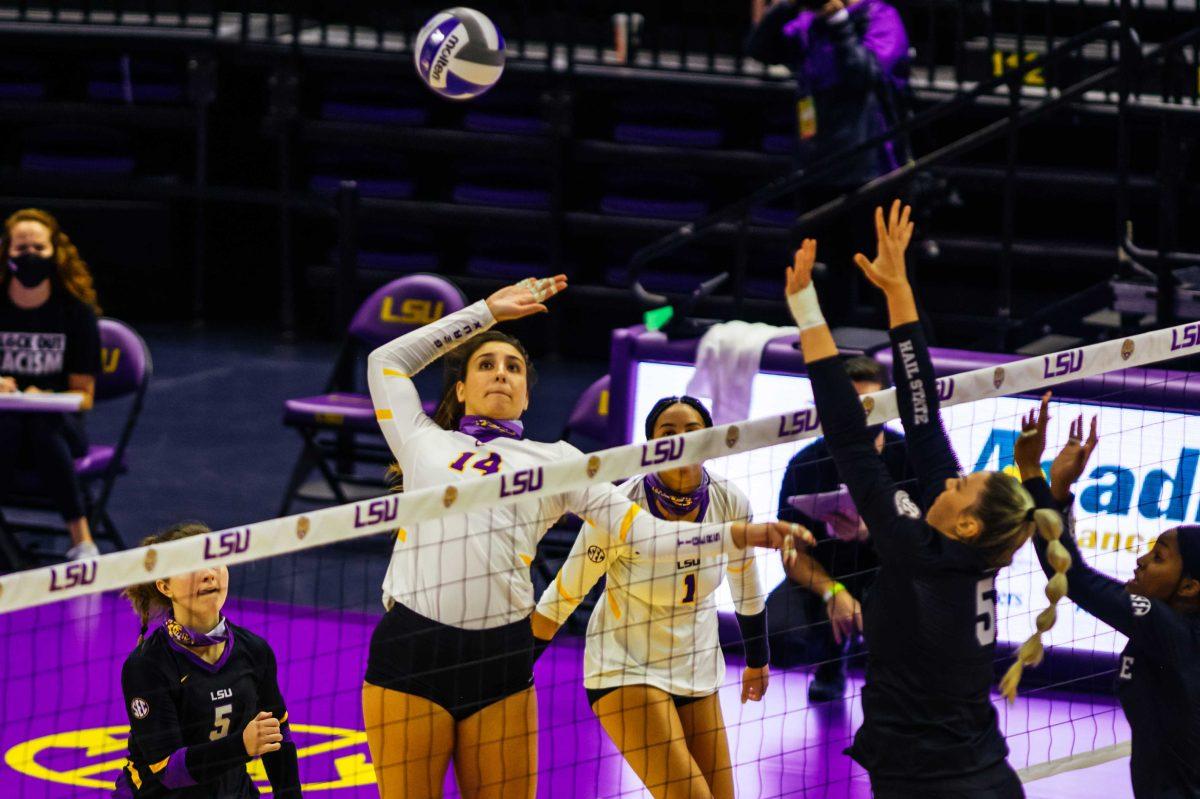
[(805, 308)]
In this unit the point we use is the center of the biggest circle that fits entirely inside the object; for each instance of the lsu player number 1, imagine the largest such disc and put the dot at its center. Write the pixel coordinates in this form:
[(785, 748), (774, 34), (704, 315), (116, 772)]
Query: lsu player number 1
[(689, 588)]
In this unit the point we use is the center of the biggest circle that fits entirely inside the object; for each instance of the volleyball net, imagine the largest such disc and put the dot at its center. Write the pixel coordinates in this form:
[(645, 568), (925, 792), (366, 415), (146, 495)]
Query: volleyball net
[(65, 634)]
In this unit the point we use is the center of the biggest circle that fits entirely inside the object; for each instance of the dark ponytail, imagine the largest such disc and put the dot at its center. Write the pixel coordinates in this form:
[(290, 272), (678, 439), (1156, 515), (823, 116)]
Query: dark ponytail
[(146, 599), (450, 410)]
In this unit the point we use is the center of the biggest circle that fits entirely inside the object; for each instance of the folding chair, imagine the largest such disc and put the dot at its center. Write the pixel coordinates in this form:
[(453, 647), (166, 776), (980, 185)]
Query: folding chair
[(125, 371), (334, 424), (589, 417)]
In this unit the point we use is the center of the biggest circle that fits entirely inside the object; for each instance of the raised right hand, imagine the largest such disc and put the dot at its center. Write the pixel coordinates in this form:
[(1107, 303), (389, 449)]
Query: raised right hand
[(262, 735), (799, 274), (8, 385), (1029, 446), (525, 298), (887, 271), (1069, 464)]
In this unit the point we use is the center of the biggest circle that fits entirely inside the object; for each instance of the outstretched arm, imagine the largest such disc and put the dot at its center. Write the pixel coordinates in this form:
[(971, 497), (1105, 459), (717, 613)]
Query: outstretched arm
[(842, 419), (929, 449), (1153, 624), (591, 556), (660, 540), (390, 368)]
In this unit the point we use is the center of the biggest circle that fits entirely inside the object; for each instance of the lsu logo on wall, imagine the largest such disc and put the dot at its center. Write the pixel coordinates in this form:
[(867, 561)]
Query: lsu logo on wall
[(230, 542), (412, 311), (109, 358), (335, 758), (70, 575)]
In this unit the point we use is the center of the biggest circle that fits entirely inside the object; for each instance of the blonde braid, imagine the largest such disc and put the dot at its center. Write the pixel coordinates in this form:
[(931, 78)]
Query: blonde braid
[(1049, 526)]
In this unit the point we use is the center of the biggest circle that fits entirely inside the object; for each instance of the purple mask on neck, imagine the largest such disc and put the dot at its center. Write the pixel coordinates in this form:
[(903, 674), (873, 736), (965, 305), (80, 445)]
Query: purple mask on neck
[(485, 429), (182, 635), (663, 500)]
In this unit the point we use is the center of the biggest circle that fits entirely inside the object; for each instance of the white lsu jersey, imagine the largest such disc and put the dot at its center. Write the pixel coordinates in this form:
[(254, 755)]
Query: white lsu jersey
[(656, 623), (472, 570)]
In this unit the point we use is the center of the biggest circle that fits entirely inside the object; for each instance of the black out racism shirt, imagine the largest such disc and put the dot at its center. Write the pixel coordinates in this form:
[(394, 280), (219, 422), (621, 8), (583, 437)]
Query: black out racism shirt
[(41, 346)]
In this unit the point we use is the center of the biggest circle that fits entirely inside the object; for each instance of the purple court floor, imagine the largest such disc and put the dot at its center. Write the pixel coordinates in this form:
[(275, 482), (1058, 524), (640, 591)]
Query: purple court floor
[(64, 726)]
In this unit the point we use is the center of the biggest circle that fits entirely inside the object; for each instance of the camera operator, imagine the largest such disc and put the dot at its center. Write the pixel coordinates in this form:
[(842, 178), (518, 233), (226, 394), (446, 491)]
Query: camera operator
[(850, 62)]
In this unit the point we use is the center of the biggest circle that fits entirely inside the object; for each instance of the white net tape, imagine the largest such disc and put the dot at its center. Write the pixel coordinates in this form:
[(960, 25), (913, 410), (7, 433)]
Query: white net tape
[(367, 517)]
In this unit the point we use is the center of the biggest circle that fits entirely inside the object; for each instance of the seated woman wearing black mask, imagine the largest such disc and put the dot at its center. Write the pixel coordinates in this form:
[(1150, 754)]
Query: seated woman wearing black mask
[(49, 343)]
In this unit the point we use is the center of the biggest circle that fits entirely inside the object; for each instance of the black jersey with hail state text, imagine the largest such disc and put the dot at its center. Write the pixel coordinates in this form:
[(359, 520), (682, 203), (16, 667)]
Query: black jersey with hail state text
[(930, 620), (187, 716)]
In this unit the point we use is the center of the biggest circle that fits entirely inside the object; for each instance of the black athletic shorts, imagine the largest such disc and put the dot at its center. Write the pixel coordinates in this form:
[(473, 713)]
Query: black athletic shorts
[(460, 670), (594, 695), (996, 782)]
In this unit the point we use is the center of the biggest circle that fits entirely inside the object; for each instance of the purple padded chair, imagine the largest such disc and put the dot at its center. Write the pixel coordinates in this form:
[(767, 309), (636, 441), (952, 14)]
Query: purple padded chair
[(330, 423), (589, 417), (125, 371)]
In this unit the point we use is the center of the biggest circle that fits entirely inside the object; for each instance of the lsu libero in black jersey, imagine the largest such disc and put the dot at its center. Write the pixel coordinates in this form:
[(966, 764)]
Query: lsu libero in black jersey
[(201, 705)]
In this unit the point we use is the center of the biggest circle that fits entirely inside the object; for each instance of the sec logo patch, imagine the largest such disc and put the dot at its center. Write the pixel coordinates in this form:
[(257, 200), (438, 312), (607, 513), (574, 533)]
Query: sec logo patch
[(140, 708), (1141, 605), (595, 554), (906, 507)]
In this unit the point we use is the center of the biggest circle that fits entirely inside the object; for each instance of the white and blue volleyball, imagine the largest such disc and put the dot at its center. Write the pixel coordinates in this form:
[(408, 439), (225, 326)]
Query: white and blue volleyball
[(459, 53)]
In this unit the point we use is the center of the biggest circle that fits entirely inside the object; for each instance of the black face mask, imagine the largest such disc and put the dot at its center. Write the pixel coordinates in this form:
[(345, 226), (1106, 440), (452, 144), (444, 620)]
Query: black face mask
[(31, 269)]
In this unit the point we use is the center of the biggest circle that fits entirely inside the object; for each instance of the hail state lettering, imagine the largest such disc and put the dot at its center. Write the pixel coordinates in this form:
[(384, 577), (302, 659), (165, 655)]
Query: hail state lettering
[(1065, 363), (1126, 672), (1188, 337), (72, 575), (381, 510), (916, 386), (663, 450), (230, 542), (522, 482), (791, 424), (454, 336)]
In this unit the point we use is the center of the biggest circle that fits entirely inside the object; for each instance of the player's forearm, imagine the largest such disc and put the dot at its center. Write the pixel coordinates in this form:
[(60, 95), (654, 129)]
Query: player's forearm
[(412, 352), (810, 575), (202, 763), (754, 638), (282, 769), (901, 306)]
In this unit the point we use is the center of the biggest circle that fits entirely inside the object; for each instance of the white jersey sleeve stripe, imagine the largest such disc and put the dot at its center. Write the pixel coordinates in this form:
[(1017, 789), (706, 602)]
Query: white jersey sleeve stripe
[(739, 569), (627, 521)]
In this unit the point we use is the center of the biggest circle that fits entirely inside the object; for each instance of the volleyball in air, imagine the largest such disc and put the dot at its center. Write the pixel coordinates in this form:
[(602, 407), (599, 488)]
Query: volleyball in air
[(459, 53)]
